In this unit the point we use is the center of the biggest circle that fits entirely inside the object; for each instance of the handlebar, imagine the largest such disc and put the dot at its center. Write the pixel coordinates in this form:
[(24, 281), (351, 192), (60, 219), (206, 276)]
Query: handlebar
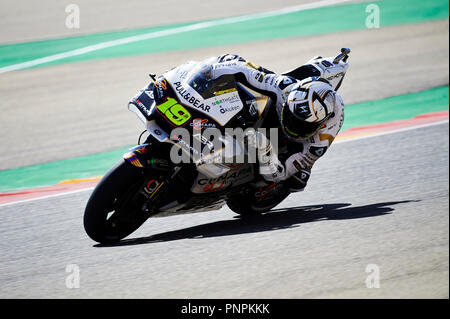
[(342, 56)]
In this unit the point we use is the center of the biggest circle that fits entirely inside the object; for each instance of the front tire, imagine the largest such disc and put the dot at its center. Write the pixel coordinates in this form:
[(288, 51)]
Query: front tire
[(111, 212)]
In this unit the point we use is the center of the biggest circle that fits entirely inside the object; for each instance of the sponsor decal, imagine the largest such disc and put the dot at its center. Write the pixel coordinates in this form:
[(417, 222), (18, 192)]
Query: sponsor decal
[(226, 178), (224, 65), (186, 145), (229, 99), (318, 151), (192, 100), (150, 94), (224, 103), (140, 103), (260, 76), (151, 186), (232, 108), (136, 162), (160, 87), (263, 192), (142, 108), (142, 150), (161, 84), (183, 75), (131, 157), (338, 75), (198, 124)]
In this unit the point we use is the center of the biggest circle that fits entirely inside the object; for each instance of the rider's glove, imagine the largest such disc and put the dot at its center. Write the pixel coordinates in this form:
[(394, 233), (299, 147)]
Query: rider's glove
[(329, 70)]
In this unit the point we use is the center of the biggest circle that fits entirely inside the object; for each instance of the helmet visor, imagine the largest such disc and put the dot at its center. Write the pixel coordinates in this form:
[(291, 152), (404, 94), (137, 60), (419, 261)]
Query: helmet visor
[(296, 127)]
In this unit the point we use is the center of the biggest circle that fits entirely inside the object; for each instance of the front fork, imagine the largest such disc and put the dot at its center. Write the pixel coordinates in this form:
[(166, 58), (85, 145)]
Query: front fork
[(143, 156), (164, 183)]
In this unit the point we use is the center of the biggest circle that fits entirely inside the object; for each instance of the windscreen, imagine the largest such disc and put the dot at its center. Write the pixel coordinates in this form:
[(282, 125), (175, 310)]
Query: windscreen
[(201, 80)]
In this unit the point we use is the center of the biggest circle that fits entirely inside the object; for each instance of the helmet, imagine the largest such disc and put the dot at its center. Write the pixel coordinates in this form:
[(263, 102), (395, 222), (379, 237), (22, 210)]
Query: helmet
[(309, 104)]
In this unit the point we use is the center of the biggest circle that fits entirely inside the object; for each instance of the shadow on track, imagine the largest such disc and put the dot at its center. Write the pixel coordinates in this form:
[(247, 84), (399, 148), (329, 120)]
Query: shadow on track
[(273, 220)]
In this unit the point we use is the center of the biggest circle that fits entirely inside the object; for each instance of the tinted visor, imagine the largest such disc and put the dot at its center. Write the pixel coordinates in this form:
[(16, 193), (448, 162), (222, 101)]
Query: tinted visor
[(296, 127)]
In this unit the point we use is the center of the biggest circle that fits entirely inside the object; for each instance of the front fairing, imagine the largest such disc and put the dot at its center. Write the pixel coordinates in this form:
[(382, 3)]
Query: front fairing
[(187, 97), (143, 103)]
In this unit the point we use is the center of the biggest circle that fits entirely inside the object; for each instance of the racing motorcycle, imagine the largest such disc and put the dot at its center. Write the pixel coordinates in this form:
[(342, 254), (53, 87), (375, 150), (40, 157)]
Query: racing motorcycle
[(146, 182)]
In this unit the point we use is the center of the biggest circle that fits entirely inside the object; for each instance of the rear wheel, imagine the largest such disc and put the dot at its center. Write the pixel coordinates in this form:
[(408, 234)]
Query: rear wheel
[(116, 208)]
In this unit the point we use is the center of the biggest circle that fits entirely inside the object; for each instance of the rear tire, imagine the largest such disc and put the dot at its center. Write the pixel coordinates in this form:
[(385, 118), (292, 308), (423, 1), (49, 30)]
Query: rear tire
[(114, 193)]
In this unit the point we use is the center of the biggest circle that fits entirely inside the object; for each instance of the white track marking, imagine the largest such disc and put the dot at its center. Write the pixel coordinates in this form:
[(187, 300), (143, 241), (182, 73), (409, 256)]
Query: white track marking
[(48, 196), (337, 142), (158, 34)]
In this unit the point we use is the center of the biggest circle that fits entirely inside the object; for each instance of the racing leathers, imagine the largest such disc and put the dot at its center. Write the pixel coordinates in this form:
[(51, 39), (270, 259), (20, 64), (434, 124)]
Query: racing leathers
[(295, 158)]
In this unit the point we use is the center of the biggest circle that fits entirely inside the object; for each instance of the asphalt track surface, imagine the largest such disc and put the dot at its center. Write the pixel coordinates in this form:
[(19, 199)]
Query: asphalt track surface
[(380, 200)]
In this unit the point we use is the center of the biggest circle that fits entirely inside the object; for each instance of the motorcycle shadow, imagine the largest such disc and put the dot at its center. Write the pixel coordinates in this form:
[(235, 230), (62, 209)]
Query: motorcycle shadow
[(272, 220)]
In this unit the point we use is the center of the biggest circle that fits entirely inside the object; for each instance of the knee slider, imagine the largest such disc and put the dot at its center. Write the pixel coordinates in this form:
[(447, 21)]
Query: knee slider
[(298, 181)]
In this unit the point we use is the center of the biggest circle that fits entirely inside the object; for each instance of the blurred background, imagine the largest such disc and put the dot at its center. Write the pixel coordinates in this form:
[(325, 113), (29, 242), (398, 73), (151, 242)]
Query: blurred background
[(68, 69)]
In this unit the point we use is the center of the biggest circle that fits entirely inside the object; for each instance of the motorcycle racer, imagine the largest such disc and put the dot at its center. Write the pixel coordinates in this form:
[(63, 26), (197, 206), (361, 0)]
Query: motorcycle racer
[(309, 112)]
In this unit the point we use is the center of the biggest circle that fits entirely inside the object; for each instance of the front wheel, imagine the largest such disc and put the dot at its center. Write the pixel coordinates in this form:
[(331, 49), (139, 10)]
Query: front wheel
[(114, 209)]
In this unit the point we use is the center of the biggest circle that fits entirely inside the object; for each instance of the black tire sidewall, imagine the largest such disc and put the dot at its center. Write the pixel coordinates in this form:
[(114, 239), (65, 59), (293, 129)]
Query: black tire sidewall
[(114, 183)]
